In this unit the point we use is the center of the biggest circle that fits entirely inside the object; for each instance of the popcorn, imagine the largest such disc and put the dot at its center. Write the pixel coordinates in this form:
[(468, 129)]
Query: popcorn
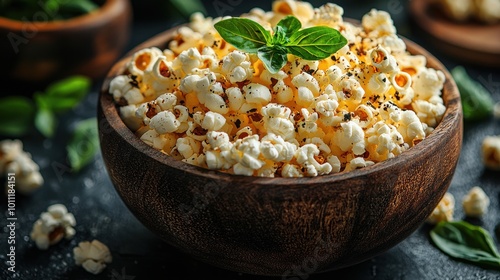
[(490, 151), (206, 103), (16, 161), (475, 202), (444, 210), (92, 256), (53, 226)]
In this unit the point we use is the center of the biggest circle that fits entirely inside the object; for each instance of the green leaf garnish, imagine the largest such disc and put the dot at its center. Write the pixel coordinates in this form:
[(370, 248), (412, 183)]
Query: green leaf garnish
[(245, 34), (477, 102), (464, 241), (83, 144), (316, 42), (16, 115), (312, 43), (45, 122)]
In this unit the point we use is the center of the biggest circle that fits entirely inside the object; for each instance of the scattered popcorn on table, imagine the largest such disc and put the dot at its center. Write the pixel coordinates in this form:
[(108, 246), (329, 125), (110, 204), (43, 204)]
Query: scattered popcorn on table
[(206, 103), (52, 226), (92, 256), (444, 210), (14, 160), (476, 202), (490, 150)]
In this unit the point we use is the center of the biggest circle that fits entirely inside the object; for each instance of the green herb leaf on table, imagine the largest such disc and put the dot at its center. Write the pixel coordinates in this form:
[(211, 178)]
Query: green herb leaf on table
[(83, 145), (65, 94), (45, 122), (16, 115), (312, 43), (477, 102), (464, 241)]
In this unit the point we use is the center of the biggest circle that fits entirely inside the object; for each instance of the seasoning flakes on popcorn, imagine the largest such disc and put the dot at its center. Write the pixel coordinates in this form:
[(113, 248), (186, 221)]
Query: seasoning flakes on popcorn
[(207, 103)]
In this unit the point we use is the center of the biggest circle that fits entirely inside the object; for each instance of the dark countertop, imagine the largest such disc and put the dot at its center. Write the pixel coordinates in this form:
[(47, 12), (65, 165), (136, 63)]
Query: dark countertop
[(139, 254)]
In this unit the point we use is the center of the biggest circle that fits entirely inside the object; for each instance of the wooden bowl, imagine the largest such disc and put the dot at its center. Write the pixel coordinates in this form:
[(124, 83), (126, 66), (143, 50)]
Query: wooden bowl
[(34, 54), (280, 226)]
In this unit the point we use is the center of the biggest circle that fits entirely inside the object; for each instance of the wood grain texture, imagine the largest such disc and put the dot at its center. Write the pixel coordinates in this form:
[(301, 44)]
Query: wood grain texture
[(281, 226), (37, 53)]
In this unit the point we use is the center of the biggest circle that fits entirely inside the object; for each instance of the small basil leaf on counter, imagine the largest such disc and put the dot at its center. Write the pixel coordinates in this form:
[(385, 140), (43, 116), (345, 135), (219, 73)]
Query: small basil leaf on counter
[(45, 122), (65, 94), (477, 102), (464, 241), (16, 116), (83, 145)]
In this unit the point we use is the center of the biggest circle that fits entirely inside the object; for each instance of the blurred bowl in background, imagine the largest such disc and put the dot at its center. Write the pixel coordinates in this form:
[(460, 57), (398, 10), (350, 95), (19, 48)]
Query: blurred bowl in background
[(35, 53)]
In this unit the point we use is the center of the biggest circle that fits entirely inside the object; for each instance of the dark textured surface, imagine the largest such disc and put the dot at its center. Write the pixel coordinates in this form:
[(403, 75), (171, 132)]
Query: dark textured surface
[(139, 254)]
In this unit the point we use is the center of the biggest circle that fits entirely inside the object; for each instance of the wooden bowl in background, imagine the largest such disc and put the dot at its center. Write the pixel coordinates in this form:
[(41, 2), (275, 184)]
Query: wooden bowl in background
[(33, 54), (280, 226)]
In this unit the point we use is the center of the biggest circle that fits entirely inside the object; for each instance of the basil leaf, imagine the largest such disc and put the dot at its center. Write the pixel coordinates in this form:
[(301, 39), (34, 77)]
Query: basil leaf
[(274, 58), (45, 122), (315, 43), (75, 8), (279, 37), (290, 25), (245, 34), (16, 116), (464, 241), (65, 94), (83, 145), (477, 102)]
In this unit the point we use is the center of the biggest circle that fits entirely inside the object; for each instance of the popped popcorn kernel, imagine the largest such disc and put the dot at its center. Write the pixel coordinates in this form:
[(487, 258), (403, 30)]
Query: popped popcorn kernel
[(206, 103), (476, 202), (52, 226), (444, 210), (92, 256), (490, 151)]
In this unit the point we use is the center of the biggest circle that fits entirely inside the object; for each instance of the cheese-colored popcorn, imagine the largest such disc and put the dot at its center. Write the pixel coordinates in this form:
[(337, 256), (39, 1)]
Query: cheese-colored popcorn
[(52, 226), (475, 202), (490, 151), (444, 211), (206, 103), (93, 256), (14, 160)]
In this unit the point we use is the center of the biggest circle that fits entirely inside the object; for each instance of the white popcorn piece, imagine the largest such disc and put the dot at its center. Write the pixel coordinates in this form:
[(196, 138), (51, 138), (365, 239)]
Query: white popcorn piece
[(428, 83), (276, 120), (13, 159), (52, 226), (328, 14), (160, 78), (444, 211), (257, 93), (92, 256), (307, 157), (356, 163), (475, 202), (213, 121), (383, 60), (187, 146), (351, 137), (378, 23), (143, 60), (128, 115), (185, 39), (237, 66), (304, 11), (246, 152), (490, 151)]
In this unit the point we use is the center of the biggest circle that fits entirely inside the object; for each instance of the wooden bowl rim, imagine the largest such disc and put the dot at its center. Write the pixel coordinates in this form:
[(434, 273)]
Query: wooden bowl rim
[(452, 115), (110, 9)]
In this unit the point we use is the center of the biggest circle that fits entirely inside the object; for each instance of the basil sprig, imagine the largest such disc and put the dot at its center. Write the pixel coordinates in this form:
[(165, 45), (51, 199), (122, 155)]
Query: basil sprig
[(477, 102), (313, 43), (18, 114), (464, 241)]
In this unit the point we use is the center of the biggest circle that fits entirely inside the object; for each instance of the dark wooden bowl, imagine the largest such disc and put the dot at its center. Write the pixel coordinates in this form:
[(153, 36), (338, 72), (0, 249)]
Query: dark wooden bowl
[(281, 226), (33, 54)]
